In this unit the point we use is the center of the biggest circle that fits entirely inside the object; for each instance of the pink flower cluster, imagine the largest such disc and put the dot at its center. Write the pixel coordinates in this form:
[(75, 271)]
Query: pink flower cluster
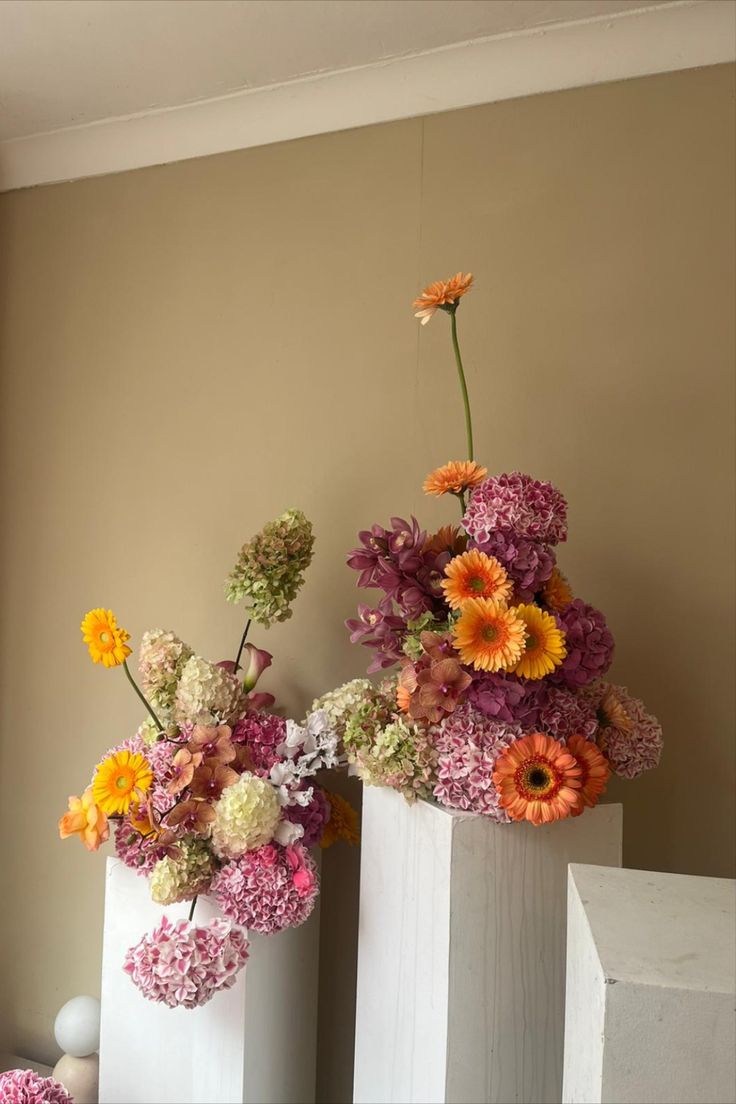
[(268, 889), (261, 733), (588, 642), (530, 509), (184, 964), (312, 817), (631, 753), (27, 1087), (469, 745)]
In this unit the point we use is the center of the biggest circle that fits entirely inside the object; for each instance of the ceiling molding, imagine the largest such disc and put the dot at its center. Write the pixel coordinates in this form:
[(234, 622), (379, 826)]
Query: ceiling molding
[(683, 35)]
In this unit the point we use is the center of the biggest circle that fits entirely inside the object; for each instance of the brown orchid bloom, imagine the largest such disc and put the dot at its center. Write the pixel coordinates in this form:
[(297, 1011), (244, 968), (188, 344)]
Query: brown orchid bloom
[(210, 779), (213, 742), (191, 816), (438, 645), (439, 690), (183, 766)]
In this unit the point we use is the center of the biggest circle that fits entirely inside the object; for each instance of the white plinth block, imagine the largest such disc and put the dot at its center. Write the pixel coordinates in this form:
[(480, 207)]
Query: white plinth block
[(651, 988), (461, 959), (253, 1044)]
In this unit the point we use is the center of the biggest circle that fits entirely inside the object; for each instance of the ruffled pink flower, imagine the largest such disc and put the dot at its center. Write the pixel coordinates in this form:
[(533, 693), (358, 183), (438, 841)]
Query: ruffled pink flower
[(527, 508), (564, 713), (638, 749), (183, 965), (27, 1087), (268, 889), (469, 744), (261, 734), (588, 642), (312, 817)]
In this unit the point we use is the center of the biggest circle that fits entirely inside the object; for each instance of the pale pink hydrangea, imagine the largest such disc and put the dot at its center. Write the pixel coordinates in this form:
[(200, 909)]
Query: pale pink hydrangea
[(528, 508), (631, 753), (564, 713), (27, 1087), (261, 733), (183, 965), (268, 889), (469, 744)]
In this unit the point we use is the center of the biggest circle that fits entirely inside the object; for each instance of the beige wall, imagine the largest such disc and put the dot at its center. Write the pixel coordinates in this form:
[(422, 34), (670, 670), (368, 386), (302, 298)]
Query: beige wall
[(189, 350)]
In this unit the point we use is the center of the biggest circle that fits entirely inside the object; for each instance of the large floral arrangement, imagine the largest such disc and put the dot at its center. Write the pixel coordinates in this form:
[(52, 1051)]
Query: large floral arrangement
[(496, 703), (214, 794)]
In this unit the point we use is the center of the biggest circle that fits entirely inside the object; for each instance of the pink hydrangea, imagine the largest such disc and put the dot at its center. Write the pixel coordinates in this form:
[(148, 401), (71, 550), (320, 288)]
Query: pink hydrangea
[(563, 714), (528, 562), (517, 504), (269, 888), (312, 817), (469, 744), (261, 733), (588, 642), (137, 853), (183, 965), (631, 753), (27, 1087)]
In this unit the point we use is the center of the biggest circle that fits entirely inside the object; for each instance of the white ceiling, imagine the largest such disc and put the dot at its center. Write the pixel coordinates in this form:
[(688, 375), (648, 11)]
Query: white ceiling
[(64, 63)]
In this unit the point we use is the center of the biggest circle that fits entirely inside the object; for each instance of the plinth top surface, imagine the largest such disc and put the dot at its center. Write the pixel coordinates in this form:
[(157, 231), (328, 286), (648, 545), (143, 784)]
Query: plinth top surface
[(650, 928)]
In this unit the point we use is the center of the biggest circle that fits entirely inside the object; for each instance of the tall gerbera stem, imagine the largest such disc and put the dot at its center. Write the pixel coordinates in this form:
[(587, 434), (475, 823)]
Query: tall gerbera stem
[(193, 906), (463, 384), (141, 695), (242, 645)]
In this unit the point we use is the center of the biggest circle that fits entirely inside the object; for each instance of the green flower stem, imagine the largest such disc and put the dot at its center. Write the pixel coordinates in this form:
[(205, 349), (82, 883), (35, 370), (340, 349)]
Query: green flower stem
[(463, 384), (138, 691), (194, 905), (242, 645)]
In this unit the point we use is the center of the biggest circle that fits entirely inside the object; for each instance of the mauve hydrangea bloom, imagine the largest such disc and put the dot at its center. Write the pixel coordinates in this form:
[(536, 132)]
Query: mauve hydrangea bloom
[(638, 750), (528, 562), (27, 1087), (184, 876), (312, 817), (261, 734), (564, 714), (245, 816), (206, 694), (183, 965), (468, 745), (498, 696), (160, 664), (527, 508), (270, 568), (268, 889), (588, 642)]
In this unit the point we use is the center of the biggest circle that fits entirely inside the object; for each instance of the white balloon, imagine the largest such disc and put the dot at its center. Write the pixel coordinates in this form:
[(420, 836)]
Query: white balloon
[(77, 1026)]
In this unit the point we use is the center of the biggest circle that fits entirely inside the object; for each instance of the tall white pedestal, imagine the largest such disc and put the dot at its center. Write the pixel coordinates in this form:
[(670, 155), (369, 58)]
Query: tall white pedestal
[(651, 987), (461, 960), (253, 1044)]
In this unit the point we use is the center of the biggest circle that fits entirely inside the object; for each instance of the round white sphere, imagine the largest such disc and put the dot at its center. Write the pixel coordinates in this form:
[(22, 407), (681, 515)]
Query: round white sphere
[(77, 1026), (80, 1077)]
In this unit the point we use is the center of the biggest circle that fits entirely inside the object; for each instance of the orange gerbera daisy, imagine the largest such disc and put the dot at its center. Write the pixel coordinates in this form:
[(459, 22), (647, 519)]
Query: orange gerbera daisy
[(556, 592), (120, 781), (545, 643), (454, 477), (594, 772), (106, 641), (442, 295), (343, 822), (475, 575), (487, 635), (538, 779)]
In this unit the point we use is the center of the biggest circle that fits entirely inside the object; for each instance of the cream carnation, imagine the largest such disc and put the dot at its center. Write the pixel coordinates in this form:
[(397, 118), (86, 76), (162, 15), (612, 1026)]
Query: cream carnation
[(182, 877), (206, 694), (246, 816)]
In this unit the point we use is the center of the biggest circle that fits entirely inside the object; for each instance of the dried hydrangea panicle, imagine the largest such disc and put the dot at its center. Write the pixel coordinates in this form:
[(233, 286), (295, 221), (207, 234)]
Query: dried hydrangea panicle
[(402, 755), (206, 694), (160, 663), (186, 875), (246, 816), (269, 571), (183, 965)]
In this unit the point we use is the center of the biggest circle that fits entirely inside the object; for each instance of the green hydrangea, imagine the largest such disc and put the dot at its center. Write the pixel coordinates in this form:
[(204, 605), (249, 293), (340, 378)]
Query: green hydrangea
[(402, 756), (270, 568), (340, 704), (183, 877), (367, 718), (412, 646)]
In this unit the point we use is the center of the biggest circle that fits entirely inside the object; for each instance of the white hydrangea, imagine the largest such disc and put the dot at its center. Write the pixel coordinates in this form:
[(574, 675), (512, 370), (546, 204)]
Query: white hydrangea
[(340, 704), (246, 816), (160, 664), (206, 694), (182, 877)]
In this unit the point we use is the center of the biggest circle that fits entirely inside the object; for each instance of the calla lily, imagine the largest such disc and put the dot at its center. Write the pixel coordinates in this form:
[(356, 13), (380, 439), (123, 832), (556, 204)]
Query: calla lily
[(254, 662)]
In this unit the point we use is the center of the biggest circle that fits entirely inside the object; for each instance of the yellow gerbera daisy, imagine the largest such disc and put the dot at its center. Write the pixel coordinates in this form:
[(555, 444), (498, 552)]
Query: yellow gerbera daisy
[(487, 635), (104, 638), (545, 643), (121, 780)]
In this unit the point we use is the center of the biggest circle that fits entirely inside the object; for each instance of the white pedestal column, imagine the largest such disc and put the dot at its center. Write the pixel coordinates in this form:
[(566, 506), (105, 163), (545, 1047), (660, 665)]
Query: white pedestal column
[(461, 960), (651, 986), (253, 1044)]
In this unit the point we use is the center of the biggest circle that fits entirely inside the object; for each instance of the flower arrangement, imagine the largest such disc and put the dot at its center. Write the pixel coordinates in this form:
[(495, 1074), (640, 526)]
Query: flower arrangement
[(214, 794), (496, 703)]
